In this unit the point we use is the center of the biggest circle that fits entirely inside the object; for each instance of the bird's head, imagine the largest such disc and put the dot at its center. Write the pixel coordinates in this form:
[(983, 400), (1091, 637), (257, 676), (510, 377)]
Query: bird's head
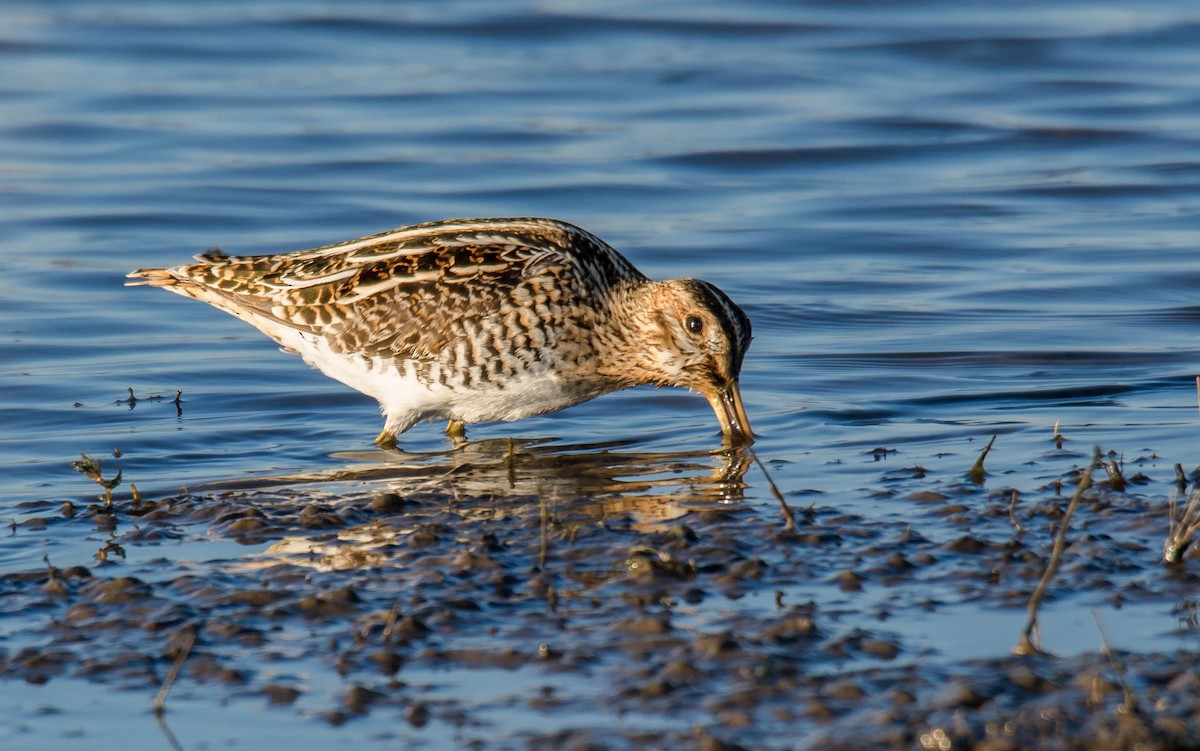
[(693, 335)]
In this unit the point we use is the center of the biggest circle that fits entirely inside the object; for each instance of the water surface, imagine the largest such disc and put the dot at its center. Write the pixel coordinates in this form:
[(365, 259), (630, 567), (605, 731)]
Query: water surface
[(947, 221)]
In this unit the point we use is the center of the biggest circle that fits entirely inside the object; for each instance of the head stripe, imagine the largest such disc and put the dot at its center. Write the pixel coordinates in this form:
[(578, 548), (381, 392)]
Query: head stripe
[(735, 320)]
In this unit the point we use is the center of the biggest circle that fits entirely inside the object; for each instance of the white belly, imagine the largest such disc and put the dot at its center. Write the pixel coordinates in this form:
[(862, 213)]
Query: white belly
[(405, 400)]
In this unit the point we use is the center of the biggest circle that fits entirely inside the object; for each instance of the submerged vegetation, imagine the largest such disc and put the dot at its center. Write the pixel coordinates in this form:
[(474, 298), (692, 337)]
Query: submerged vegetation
[(609, 582), (1183, 528), (90, 468)]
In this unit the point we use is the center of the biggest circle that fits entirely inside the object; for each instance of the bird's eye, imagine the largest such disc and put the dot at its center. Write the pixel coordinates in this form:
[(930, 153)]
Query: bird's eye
[(694, 325)]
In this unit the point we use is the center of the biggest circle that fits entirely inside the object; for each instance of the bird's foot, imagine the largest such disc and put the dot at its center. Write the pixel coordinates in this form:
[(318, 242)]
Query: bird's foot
[(386, 439), (457, 431)]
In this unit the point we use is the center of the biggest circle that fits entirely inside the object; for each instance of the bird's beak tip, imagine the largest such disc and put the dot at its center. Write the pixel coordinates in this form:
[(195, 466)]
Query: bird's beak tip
[(731, 413)]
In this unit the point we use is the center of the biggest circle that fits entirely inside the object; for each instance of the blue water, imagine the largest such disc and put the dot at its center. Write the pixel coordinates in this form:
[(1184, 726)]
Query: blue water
[(946, 220)]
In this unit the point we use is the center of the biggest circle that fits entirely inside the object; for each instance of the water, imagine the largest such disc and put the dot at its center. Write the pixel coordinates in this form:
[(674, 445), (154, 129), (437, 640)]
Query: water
[(946, 221)]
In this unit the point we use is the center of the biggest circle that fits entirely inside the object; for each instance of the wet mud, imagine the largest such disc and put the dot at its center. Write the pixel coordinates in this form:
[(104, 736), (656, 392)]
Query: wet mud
[(637, 601)]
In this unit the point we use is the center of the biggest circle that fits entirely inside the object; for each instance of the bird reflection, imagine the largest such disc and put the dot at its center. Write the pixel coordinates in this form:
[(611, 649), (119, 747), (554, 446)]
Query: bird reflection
[(596, 481)]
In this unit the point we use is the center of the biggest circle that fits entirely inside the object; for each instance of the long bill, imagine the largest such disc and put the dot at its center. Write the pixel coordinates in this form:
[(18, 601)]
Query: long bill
[(731, 413)]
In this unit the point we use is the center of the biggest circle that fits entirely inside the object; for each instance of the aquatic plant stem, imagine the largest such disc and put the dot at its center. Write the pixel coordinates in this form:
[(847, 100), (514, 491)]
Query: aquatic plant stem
[(172, 741), (90, 468), (544, 541), (1130, 701), (1025, 644), (976, 473), (1114, 475), (789, 519), (1183, 527), (160, 700), (1012, 508)]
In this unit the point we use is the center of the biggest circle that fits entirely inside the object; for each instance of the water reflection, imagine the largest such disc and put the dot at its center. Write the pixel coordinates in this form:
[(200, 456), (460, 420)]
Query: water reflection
[(516, 467), (359, 547), (492, 479)]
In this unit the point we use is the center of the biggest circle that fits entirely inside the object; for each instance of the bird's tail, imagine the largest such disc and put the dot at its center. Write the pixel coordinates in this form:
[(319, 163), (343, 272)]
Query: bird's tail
[(152, 278)]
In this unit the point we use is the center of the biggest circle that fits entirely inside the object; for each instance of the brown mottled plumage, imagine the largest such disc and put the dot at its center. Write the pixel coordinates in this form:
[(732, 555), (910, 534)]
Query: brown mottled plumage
[(478, 320)]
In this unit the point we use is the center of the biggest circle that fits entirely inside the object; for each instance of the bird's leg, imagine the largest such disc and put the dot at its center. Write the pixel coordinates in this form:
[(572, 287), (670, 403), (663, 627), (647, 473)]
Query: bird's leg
[(457, 430), (386, 439)]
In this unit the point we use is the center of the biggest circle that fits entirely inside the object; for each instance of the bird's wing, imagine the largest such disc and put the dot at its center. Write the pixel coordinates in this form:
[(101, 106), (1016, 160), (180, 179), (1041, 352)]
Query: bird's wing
[(412, 292)]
